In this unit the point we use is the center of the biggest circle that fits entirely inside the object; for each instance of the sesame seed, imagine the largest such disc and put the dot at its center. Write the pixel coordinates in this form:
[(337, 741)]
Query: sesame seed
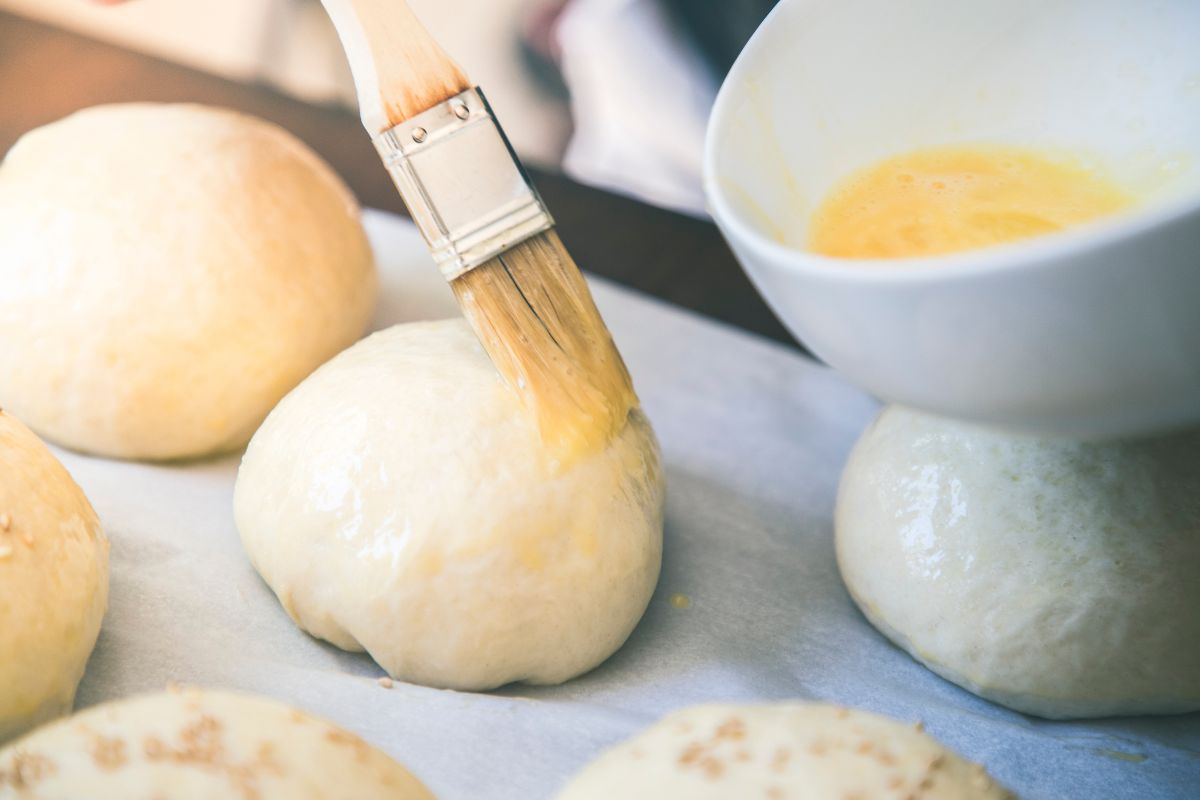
[(153, 748), (732, 728), (385, 682), (691, 753), (712, 767), (5, 521)]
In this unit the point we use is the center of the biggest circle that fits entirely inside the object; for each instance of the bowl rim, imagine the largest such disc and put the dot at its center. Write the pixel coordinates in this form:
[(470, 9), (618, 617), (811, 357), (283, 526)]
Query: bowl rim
[(1020, 255)]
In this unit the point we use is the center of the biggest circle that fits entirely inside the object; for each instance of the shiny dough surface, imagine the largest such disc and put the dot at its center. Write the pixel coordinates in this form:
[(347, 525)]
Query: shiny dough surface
[(1055, 577), (400, 501)]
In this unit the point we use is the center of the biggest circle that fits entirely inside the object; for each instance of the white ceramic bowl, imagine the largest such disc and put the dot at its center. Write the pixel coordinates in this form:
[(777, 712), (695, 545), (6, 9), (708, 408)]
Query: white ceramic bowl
[(1092, 332)]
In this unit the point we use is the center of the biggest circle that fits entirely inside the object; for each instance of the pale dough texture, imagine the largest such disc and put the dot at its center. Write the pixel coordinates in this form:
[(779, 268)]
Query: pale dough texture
[(783, 751), (400, 501), (169, 272), (190, 744), (1057, 578), (53, 581)]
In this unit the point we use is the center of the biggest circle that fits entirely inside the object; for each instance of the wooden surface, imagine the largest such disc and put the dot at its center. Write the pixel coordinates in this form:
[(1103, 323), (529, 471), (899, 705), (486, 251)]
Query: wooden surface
[(46, 73)]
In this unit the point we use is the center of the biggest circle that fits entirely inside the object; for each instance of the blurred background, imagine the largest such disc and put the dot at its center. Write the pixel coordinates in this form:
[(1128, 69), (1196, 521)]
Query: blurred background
[(615, 93)]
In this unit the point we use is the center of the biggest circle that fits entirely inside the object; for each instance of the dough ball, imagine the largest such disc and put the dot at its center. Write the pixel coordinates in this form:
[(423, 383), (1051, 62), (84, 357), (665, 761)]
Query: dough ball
[(53, 581), (400, 501), (780, 751), (169, 273), (1054, 577), (190, 744)]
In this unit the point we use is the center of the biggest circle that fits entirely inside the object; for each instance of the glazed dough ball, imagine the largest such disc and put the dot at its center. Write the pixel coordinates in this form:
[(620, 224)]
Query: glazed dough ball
[(1054, 577), (190, 744), (169, 273), (53, 581), (400, 501), (784, 750)]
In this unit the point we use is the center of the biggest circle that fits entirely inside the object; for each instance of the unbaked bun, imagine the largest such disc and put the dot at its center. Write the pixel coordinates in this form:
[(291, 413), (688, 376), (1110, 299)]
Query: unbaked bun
[(190, 744), (400, 501), (780, 751), (1057, 578), (53, 578), (169, 272)]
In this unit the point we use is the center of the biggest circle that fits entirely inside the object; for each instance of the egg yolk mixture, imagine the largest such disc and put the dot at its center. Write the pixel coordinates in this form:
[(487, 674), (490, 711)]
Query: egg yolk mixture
[(951, 199)]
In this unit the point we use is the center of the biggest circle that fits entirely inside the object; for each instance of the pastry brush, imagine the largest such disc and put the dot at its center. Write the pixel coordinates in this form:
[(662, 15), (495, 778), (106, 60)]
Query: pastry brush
[(486, 226)]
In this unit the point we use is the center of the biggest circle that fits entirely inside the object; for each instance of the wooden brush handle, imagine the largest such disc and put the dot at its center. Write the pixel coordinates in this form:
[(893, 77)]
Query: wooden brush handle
[(399, 69)]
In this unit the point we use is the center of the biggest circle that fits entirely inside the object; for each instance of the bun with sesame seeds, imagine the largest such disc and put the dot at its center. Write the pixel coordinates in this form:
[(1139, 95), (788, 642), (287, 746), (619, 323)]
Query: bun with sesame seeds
[(192, 744), (779, 752), (53, 581), (1052, 576)]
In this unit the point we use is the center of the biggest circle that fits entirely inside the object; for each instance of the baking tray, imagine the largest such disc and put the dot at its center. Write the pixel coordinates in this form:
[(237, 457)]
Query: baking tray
[(749, 606)]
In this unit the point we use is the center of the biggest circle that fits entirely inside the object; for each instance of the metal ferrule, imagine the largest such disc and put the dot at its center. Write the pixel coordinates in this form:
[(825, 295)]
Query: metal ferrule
[(462, 183)]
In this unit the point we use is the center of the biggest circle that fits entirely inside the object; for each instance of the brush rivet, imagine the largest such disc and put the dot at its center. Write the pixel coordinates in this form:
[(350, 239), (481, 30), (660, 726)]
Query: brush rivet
[(425, 156)]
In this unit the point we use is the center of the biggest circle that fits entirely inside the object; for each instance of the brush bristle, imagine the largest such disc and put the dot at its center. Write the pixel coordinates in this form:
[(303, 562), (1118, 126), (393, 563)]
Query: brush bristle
[(534, 314)]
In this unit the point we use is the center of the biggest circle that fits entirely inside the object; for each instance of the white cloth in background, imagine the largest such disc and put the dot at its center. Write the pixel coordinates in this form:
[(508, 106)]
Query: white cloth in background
[(641, 96)]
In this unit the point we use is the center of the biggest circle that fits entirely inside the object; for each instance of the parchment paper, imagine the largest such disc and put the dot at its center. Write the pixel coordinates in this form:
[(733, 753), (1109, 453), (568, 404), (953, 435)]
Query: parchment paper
[(754, 437)]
